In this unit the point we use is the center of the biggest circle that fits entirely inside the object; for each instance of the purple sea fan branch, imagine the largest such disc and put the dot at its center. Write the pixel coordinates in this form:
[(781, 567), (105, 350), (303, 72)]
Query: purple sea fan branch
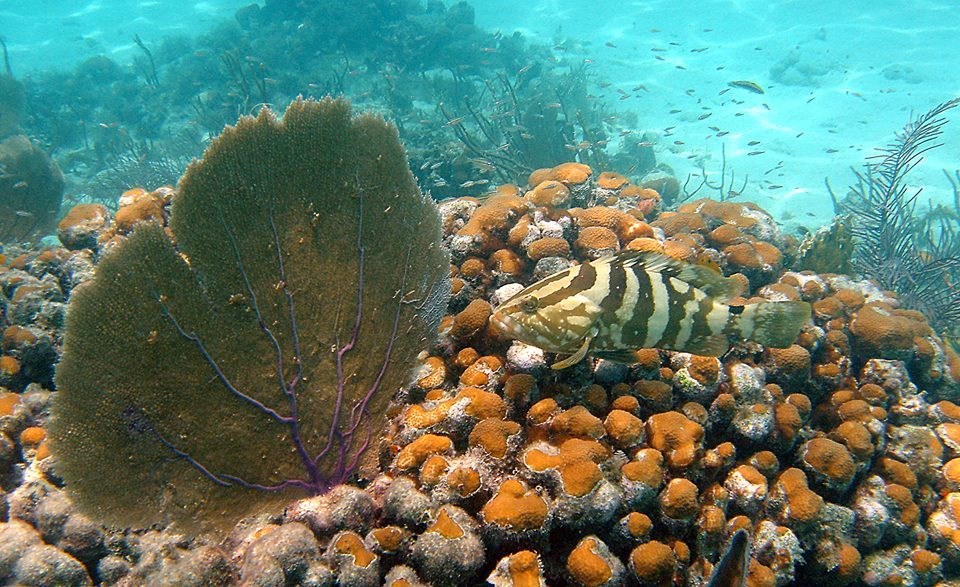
[(346, 463), (348, 456), (290, 388), (288, 295), (287, 388), (360, 408), (139, 423), (341, 351), (227, 384), (254, 304)]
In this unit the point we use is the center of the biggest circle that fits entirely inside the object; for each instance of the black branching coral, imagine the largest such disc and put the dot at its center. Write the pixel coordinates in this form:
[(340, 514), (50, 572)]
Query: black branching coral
[(250, 358)]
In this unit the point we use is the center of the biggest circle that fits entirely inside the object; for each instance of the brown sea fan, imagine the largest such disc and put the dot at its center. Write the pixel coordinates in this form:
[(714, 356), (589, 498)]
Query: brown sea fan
[(249, 359)]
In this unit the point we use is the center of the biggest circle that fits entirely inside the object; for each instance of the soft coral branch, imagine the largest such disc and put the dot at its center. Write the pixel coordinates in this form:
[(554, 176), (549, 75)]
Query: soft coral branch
[(341, 435)]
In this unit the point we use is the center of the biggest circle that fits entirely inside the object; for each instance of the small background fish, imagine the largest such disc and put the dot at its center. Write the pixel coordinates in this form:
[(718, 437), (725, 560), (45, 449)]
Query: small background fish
[(615, 305)]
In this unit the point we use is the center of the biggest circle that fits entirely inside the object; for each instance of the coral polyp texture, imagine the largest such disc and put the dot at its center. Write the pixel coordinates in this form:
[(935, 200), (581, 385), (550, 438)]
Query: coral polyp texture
[(245, 355), (832, 459)]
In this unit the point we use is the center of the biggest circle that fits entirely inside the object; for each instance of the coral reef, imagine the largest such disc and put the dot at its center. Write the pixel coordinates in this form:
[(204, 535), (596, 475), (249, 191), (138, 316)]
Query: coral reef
[(246, 353), (832, 461), (639, 474), (262, 380)]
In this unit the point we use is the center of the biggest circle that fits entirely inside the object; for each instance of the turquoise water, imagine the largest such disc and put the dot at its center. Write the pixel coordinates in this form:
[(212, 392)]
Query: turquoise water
[(838, 78), (59, 34)]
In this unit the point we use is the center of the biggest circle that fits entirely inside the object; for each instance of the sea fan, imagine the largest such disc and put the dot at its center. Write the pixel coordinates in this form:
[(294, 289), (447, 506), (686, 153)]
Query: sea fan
[(892, 244), (247, 356)]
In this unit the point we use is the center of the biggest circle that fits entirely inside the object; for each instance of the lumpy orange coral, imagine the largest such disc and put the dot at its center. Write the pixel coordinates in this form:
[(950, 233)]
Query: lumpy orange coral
[(549, 193), (586, 566), (414, 454), (653, 563), (548, 247), (677, 437), (515, 507)]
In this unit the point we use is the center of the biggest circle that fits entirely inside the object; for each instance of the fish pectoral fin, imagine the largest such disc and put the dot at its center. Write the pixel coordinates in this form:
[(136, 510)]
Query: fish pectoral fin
[(620, 355), (575, 357)]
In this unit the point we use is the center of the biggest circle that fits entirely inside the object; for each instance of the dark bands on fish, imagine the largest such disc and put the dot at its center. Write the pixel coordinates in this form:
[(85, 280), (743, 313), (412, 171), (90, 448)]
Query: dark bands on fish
[(638, 300), (700, 328), (617, 287), (583, 279), (678, 308), (636, 327)]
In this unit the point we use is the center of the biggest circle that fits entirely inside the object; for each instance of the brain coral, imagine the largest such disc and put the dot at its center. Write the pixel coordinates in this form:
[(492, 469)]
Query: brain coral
[(249, 359)]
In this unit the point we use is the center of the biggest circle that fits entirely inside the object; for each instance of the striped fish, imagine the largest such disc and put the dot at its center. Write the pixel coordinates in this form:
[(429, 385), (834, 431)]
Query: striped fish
[(612, 306)]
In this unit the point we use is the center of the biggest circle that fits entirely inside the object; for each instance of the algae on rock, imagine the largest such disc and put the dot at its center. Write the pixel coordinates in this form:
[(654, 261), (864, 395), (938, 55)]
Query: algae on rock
[(249, 359)]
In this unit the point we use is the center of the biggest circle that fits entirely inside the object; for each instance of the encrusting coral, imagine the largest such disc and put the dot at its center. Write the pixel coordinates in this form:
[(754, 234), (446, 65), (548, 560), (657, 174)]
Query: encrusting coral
[(248, 356), (640, 474)]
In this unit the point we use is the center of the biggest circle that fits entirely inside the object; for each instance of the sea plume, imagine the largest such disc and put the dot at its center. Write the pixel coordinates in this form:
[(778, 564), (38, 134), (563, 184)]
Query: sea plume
[(892, 245)]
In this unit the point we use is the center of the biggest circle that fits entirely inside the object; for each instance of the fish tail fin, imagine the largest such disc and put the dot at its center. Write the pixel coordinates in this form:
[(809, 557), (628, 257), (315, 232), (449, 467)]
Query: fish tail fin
[(772, 324)]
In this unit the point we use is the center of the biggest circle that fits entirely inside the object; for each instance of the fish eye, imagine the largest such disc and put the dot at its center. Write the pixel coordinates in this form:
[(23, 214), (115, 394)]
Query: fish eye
[(529, 304)]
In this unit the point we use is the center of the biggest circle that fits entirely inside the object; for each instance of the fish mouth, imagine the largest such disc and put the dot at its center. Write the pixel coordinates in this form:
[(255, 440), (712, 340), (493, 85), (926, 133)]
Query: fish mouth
[(504, 324)]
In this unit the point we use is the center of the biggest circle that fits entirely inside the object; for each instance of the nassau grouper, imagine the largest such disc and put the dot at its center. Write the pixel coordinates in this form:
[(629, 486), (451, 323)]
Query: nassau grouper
[(632, 300)]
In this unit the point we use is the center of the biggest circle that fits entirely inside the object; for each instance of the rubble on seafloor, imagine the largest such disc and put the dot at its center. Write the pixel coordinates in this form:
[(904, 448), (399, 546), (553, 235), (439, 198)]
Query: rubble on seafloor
[(840, 454)]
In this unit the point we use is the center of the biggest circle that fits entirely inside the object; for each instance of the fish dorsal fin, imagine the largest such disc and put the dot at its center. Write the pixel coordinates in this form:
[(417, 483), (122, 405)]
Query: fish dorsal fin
[(712, 282), (575, 357)]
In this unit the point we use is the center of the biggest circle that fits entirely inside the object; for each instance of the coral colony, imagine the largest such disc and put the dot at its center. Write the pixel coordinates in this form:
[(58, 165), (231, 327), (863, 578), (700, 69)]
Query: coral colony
[(305, 396)]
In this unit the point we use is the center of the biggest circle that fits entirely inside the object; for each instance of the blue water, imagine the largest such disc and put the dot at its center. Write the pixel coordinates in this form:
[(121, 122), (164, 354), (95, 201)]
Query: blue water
[(58, 34), (839, 77), (846, 75)]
